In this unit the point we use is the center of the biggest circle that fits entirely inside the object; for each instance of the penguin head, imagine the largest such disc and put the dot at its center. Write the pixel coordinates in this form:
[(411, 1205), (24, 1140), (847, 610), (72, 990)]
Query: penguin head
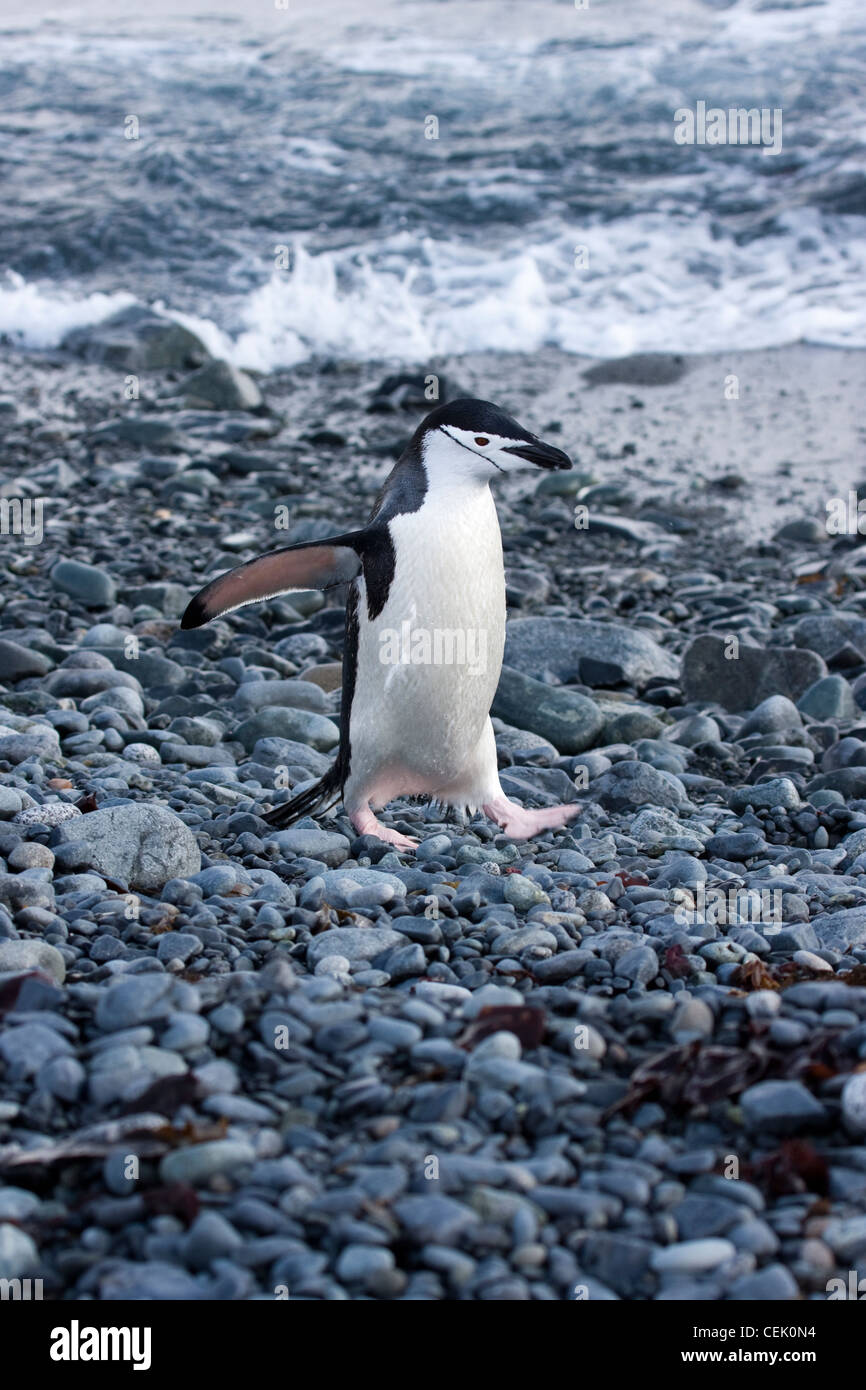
[(475, 439)]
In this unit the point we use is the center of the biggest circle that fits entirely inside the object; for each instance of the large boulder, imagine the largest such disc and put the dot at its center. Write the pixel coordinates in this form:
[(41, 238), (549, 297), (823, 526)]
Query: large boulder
[(137, 339), (739, 677), (641, 369), (629, 784), (141, 844), (841, 931), (579, 649), (828, 633)]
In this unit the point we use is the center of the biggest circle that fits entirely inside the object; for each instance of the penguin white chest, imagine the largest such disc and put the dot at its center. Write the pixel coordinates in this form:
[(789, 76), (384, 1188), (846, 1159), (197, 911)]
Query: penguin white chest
[(429, 663)]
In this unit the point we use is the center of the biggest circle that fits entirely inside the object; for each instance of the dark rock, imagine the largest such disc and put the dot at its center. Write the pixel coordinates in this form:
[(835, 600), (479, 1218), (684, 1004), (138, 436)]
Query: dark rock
[(92, 586), (571, 722), (568, 645), (16, 662), (137, 339), (739, 683), (630, 784), (220, 386), (641, 369)]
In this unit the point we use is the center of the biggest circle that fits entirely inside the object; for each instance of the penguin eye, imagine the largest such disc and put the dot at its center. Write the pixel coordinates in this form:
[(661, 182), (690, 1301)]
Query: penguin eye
[(479, 439)]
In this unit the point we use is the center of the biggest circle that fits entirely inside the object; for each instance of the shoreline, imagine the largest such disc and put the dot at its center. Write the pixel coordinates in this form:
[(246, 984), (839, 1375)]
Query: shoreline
[(791, 435)]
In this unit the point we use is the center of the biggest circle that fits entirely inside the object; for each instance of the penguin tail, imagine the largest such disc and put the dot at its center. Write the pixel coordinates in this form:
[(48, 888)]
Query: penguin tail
[(318, 796)]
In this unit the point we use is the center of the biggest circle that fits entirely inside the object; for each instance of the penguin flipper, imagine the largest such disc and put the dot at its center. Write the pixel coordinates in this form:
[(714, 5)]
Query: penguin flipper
[(309, 565)]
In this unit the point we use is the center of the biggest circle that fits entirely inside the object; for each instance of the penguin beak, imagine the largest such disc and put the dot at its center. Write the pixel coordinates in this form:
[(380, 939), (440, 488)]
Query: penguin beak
[(545, 455)]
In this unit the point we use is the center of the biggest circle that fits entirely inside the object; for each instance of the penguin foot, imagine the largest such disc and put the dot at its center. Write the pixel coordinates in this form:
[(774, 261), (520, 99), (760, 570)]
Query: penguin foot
[(520, 823), (366, 824)]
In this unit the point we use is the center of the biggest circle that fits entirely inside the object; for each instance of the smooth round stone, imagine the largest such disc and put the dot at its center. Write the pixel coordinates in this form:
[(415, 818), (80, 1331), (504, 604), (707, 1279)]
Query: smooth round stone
[(682, 872), (91, 585), (371, 979), (142, 753), (781, 1107), (829, 698), (19, 1255), (29, 1046), (63, 1077), (118, 697), (186, 1032), (332, 849), (434, 847), (510, 943), (354, 943), (218, 879), (333, 965), (17, 1204), (693, 1019), (210, 1237), (104, 635), (218, 1077), (360, 1263), (826, 796), (775, 713), (179, 946), (854, 1103), (87, 661), (640, 964), (32, 955), (140, 843), (594, 903), (227, 1018), (778, 791), (698, 728), (30, 855), (200, 1162), (763, 1003), (396, 1033), (809, 961), (17, 662), (50, 813), (563, 966), (501, 1044), (522, 892), (692, 1256), (10, 802), (133, 1000)]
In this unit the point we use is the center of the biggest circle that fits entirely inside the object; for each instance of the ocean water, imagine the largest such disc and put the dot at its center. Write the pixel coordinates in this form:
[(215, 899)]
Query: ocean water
[(283, 197)]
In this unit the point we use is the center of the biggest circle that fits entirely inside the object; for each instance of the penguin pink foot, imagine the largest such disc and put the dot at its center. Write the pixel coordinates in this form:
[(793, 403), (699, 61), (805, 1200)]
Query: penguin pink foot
[(519, 823), (366, 824)]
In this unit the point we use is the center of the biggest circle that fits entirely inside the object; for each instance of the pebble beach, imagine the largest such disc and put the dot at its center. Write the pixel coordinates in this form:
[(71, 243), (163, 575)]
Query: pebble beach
[(623, 1061)]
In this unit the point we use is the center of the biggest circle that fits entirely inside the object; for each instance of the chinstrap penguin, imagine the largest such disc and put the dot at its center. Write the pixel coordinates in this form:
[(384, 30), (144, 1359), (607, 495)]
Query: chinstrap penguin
[(429, 561)]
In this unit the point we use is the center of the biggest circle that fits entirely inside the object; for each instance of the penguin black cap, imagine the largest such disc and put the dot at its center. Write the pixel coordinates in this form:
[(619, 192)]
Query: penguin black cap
[(486, 418)]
